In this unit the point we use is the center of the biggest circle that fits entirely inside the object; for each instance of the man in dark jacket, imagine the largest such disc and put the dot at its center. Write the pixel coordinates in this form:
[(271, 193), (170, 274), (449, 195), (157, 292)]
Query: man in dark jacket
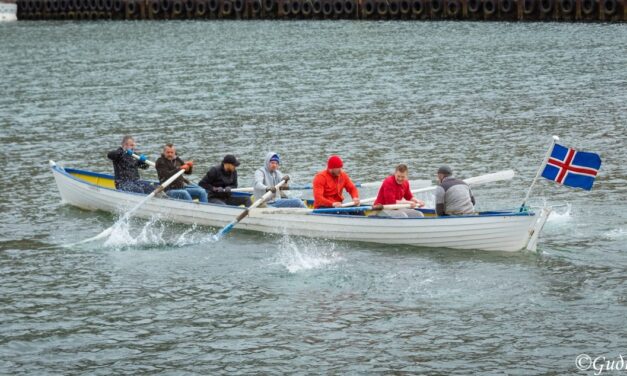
[(219, 181), (125, 168), (169, 164)]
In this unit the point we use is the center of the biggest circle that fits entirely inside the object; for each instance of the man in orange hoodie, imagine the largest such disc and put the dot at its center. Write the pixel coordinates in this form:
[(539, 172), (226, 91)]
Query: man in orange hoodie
[(329, 184)]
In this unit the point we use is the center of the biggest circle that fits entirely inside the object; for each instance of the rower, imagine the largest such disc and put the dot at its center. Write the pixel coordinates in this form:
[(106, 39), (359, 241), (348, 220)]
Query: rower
[(453, 196), (267, 177), (169, 164), (394, 190), (329, 184), (219, 181), (126, 168)]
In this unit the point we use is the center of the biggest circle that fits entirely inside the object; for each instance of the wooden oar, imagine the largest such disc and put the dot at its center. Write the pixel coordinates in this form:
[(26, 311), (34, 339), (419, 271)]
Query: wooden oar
[(476, 180), (374, 184), (128, 214), (226, 229)]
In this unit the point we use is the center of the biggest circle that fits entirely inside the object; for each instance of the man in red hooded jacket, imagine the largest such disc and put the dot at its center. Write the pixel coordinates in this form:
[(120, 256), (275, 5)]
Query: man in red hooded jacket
[(329, 184)]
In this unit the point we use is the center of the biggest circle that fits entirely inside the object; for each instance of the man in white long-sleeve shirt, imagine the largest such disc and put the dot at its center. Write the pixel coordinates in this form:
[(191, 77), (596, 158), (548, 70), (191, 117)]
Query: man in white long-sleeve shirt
[(267, 177)]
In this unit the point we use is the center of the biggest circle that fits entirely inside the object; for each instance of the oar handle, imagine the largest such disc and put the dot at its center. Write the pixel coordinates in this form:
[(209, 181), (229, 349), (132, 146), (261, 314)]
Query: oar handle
[(169, 181), (266, 196), (149, 163)]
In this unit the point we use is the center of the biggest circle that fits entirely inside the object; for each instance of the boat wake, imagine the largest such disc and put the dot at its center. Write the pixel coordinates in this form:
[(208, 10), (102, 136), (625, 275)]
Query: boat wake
[(302, 254)]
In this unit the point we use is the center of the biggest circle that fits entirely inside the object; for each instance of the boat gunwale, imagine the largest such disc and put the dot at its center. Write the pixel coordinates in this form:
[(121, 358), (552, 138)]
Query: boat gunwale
[(493, 213)]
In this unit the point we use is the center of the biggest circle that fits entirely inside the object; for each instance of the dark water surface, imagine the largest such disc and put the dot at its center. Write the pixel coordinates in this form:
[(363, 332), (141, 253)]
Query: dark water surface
[(481, 97)]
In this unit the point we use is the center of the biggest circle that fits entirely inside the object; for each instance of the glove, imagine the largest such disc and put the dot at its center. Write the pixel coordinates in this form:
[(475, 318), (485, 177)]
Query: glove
[(286, 177), (227, 189), (142, 158), (129, 152), (271, 189), (218, 189)]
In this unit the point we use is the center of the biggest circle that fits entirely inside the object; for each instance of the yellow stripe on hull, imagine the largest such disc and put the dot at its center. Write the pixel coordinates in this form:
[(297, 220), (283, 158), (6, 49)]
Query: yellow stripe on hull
[(95, 180)]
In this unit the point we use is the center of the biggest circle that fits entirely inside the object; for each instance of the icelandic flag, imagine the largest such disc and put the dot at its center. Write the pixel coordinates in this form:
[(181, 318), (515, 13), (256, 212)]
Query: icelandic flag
[(571, 167)]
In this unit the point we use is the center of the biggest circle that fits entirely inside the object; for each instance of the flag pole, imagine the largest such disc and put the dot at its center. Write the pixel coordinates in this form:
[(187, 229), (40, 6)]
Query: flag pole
[(554, 139)]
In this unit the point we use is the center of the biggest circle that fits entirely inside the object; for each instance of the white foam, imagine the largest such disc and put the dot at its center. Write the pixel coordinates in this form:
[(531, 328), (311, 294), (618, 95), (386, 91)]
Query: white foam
[(300, 254), (560, 215), (123, 235), (153, 233), (616, 234)]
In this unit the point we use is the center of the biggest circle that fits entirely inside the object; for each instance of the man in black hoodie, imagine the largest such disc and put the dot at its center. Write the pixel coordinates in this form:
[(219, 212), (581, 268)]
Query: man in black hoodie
[(219, 181), (126, 168)]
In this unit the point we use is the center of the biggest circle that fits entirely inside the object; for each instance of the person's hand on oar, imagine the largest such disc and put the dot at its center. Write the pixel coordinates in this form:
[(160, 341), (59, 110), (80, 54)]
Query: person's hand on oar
[(356, 201), (141, 158), (226, 229), (411, 204)]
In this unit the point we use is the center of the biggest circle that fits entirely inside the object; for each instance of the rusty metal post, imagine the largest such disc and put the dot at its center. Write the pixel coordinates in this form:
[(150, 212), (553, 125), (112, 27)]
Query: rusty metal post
[(520, 4)]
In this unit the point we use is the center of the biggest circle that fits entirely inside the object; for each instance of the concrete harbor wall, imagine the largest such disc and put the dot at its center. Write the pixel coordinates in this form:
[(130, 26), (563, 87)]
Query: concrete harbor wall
[(475, 10)]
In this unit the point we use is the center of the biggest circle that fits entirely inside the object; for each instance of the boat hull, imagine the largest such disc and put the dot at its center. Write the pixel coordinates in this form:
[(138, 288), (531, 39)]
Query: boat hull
[(497, 231)]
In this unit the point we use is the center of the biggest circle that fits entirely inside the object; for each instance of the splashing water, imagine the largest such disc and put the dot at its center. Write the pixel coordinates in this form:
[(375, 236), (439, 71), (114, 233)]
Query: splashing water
[(559, 217), (615, 234), (306, 254), (120, 223), (122, 234), (155, 233), (126, 233)]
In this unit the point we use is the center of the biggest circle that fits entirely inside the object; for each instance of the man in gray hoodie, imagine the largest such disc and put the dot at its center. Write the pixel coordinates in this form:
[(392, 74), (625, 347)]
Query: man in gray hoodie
[(453, 196), (267, 177)]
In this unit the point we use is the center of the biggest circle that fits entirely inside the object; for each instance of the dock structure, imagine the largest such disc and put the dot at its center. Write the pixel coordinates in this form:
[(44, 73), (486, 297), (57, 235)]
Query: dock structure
[(472, 10)]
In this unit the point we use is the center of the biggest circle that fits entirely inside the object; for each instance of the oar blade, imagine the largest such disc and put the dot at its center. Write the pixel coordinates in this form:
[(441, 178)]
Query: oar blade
[(490, 178), (225, 230), (243, 214)]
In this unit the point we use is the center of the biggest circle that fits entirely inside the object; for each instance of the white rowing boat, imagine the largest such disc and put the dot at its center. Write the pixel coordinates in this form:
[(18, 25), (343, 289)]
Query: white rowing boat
[(491, 231)]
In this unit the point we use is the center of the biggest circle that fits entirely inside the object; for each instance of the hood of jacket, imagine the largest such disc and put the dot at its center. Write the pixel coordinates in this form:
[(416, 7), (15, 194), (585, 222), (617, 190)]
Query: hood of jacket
[(268, 157)]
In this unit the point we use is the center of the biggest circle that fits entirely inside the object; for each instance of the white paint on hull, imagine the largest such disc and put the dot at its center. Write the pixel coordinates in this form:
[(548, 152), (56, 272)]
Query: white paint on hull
[(503, 232)]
